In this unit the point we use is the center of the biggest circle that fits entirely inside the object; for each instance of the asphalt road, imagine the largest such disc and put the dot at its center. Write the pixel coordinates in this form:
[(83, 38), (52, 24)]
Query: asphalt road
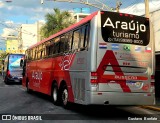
[(15, 101)]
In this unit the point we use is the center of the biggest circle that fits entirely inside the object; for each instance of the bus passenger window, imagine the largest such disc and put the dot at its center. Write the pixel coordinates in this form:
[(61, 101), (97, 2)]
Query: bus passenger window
[(41, 54), (86, 40), (31, 54), (38, 54), (51, 47), (47, 50), (35, 54), (68, 41), (62, 44), (76, 38), (82, 39), (56, 49)]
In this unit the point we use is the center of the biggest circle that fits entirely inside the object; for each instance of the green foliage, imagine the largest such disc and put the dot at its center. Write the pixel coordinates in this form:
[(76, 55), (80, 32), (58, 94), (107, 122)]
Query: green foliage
[(55, 22), (3, 55)]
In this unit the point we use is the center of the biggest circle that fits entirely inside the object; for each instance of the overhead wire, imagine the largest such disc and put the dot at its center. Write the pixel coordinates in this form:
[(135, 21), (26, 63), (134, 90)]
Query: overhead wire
[(24, 31)]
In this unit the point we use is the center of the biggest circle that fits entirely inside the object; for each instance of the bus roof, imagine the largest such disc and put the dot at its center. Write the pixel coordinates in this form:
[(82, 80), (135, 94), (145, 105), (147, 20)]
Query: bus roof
[(86, 19), (16, 54)]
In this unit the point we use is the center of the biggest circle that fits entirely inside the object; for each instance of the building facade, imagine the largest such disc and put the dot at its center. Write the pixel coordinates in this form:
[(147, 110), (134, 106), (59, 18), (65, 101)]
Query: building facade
[(12, 44), (155, 19), (29, 34)]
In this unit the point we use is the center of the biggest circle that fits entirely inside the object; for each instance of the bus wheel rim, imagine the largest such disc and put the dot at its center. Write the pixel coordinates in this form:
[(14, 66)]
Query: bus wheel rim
[(27, 86), (65, 97), (55, 94)]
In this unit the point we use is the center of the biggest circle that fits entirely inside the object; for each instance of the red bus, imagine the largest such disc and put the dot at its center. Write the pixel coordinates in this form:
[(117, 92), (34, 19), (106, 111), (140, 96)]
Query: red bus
[(95, 61)]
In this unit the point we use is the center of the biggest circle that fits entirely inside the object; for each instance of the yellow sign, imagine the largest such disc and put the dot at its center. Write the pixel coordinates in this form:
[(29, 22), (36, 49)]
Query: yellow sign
[(15, 51)]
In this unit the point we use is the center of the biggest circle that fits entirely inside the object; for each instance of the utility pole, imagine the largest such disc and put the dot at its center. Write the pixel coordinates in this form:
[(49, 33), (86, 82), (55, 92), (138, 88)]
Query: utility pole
[(118, 4), (146, 8)]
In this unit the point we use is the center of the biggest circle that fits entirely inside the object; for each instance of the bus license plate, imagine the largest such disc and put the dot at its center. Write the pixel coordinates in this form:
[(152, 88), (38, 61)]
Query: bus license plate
[(17, 80)]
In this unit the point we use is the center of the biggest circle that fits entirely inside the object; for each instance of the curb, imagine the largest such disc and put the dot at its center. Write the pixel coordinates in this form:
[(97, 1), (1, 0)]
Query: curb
[(151, 108)]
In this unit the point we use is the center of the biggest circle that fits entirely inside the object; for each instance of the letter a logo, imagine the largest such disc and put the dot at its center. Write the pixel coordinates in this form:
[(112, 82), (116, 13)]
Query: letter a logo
[(109, 59)]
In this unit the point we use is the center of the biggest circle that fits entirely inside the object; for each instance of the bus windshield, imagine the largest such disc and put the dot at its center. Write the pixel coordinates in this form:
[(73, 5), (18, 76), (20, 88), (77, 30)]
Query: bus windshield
[(14, 61)]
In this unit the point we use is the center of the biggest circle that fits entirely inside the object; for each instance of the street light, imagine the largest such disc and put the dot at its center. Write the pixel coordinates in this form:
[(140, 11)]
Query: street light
[(96, 3)]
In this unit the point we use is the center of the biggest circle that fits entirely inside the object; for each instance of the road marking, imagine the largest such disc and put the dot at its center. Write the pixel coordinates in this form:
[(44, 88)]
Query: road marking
[(23, 89), (151, 108), (136, 110), (7, 87)]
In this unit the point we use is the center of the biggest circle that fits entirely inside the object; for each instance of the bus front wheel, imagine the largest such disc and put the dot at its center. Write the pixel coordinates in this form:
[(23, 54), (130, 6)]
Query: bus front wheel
[(54, 94), (5, 80), (27, 86)]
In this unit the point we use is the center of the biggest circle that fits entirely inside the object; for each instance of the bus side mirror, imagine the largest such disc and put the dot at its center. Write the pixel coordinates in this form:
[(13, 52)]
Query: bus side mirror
[(21, 63)]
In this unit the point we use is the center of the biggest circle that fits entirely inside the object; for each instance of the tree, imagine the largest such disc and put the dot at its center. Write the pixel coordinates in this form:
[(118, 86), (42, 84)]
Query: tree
[(55, 22), (3, 55)]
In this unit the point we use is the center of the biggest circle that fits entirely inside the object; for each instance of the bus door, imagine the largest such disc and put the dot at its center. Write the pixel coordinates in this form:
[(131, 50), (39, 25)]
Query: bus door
[(34, 76), (124, 57)]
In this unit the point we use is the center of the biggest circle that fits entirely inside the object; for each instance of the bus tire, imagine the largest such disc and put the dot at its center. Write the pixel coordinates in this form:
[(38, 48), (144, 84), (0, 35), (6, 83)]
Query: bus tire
[(54, 94), (64, 97), (27, 86), (6, 81)]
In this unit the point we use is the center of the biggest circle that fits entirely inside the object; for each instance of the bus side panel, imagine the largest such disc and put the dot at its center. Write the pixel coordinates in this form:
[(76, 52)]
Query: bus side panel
[(32, 67), (44, 71), (84, 62), (54, 69), (79, 74), (62, 72)]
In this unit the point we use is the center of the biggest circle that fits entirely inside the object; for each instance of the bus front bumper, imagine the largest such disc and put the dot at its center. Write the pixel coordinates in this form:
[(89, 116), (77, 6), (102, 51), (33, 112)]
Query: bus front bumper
[(14, 80), (119, 98)]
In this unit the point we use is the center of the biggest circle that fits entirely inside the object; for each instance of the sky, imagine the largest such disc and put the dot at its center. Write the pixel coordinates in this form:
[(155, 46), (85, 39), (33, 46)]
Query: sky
[(17, 12)]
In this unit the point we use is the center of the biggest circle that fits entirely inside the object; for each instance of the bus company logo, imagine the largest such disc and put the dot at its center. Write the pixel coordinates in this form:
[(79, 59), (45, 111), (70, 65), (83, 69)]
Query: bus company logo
[(133, 26), (37, 75), (66, 60), (138, 84)]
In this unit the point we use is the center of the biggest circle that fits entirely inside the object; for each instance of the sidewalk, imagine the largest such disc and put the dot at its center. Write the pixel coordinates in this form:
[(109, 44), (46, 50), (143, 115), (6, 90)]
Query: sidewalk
[(158, 101), (155, 107)]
